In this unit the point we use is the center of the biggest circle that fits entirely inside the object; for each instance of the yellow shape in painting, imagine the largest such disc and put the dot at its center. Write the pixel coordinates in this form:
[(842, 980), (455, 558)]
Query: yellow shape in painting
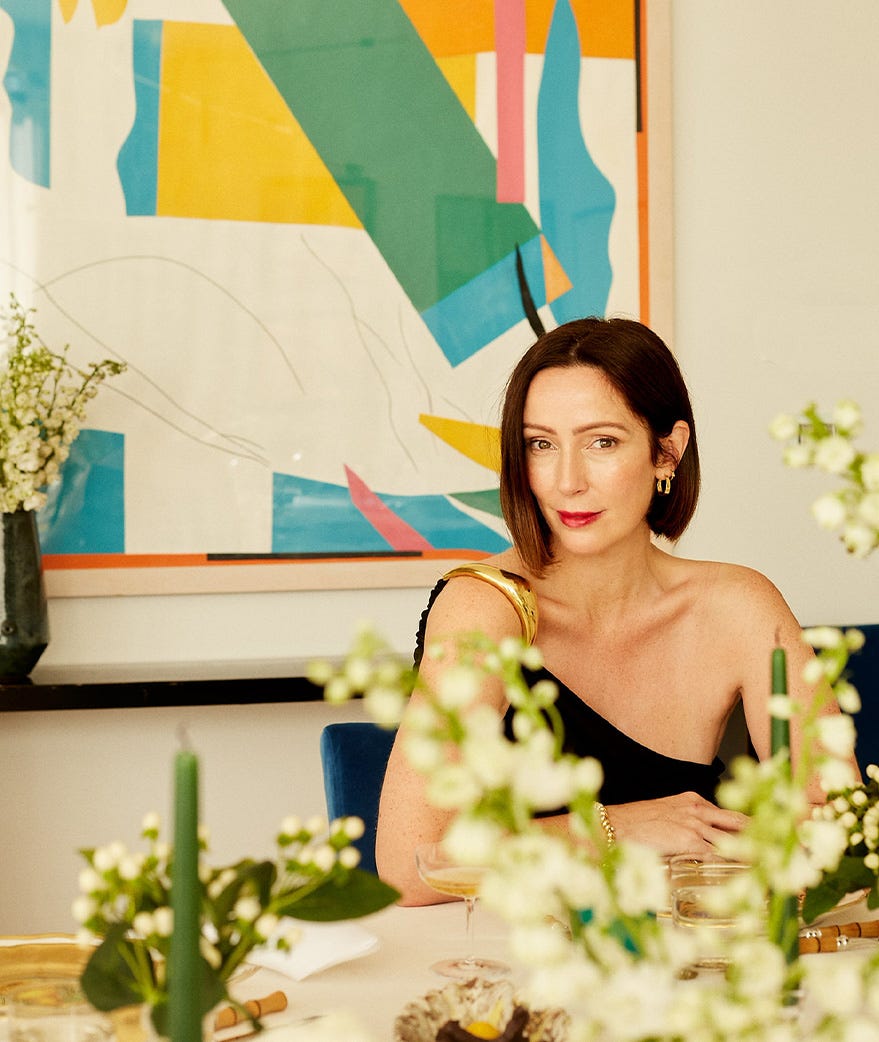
[(460, 71), (229, 148), (109, 11), (106, 11), (68, 8), (474, 440), (555, 278)]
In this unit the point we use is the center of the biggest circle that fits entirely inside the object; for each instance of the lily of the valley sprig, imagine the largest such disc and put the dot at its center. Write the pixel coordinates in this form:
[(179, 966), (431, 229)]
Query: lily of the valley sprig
[(827, 443)]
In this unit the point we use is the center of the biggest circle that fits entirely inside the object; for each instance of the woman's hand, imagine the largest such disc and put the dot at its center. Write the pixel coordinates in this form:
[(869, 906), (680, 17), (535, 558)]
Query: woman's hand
[(673, 824)]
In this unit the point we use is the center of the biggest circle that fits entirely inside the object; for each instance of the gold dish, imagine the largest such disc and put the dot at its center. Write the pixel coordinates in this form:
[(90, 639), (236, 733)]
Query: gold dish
[(34, 959)]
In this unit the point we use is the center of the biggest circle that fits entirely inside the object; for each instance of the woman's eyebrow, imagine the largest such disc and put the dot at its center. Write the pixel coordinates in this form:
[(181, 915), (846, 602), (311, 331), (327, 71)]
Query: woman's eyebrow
[(601, 425)]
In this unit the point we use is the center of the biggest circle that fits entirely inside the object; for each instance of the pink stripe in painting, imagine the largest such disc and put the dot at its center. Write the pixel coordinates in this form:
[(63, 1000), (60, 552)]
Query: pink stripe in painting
[(509, 45), (398, 533)]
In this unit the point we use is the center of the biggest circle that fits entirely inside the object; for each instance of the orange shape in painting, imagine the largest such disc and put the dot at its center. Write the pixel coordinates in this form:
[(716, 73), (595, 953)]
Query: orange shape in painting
[(555, 280), (453, 26), (607, 27), (476, 441)]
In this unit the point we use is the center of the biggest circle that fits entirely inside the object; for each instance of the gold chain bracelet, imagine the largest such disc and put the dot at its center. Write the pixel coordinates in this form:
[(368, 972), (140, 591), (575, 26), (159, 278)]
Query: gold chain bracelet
[(606, 824)]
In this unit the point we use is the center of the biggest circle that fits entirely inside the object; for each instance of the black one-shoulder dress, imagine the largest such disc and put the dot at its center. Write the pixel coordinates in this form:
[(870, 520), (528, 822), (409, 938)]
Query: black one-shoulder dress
[(632, 771)]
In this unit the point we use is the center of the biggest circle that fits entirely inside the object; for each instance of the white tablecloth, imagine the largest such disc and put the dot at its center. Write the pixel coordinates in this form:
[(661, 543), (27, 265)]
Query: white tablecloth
[(375, 987), (372, 989)]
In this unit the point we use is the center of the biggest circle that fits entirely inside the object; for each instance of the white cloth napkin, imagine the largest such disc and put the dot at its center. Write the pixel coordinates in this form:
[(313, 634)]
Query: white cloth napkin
[(319, 946)]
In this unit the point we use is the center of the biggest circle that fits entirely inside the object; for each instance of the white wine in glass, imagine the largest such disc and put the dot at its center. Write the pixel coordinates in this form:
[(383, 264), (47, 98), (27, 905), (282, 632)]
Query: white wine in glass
[(445, 876)]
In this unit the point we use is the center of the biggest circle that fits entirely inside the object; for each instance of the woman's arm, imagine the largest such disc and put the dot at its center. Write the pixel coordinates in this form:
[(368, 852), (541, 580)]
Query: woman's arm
[(406, 818), (768, 622)]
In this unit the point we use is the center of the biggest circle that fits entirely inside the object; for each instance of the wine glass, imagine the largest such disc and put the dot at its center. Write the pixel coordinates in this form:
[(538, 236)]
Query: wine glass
[(446, 876)]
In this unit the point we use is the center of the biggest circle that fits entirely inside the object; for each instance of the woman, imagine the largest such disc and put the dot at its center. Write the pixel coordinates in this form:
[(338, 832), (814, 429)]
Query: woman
[(651, 652)]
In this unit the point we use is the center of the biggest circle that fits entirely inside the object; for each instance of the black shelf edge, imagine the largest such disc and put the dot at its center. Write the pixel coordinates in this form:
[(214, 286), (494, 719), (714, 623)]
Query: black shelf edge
[(29, 697)]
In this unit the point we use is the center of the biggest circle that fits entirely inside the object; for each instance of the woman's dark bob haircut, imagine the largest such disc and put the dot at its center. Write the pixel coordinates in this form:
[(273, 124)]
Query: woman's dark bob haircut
[(645, 374)]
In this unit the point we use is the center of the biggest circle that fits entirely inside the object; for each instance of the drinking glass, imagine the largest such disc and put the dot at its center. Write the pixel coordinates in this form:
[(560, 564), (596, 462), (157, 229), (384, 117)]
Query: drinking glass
[(55, 1010), (446, 876), (700, 900)]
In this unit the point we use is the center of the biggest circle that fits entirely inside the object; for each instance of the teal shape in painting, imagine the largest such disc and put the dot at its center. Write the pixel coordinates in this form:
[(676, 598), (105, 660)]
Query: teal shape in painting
[(318, 518), (577, 202), (138, 160), (28, 84), (443, 525), (85, 512), (315, 517), (485, 307)]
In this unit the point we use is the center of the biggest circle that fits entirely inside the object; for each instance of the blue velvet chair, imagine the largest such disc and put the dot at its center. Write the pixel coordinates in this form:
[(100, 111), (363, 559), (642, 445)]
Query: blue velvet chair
[(354, 757), (863, 672)]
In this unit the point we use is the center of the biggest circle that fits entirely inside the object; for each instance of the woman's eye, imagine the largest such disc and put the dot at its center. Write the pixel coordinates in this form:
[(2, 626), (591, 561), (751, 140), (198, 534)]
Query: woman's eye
[(604, 442), (539, 444)]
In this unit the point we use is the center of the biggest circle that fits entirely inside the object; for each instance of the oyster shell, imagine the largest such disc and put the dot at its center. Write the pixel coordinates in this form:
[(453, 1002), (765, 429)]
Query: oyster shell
[(469, 1001)]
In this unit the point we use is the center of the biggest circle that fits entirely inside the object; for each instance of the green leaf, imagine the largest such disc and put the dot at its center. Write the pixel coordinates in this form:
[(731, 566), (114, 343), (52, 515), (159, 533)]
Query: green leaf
[(108, 979), (852, 874), (359, 893)]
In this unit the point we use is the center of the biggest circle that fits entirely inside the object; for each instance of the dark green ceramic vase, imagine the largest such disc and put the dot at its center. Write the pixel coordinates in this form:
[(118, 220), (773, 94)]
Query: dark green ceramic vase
[(24, 615)]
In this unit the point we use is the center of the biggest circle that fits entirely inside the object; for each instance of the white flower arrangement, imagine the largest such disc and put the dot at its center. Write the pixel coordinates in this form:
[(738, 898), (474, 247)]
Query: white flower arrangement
[(125, 901), (584, 918), (43, 400), (828, 444), (853, 512)]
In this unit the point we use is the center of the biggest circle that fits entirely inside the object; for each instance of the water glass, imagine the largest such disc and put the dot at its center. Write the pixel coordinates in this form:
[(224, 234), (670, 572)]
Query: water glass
[(701, 899)]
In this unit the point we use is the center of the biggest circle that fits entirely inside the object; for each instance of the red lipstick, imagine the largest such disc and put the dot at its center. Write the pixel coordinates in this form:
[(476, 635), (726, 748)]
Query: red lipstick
[(570, 519)]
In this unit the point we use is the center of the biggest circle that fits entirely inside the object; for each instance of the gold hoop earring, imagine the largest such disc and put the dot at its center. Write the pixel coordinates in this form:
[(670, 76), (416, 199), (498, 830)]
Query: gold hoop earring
[(663, 485)]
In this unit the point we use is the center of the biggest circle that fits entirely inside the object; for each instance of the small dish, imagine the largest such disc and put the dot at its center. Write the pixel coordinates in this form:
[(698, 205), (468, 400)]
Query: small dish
[(33, 960), (470, 1002)]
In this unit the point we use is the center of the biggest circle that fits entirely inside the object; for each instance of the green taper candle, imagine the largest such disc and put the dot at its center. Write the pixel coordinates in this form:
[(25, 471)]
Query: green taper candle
[(780, 728), (783, 908), (184, 1016)]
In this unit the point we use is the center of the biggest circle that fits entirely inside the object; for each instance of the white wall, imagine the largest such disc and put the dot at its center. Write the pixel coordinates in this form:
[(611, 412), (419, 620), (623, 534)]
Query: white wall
[(203, 627), (777, 270), (81, 778), (776, 144)]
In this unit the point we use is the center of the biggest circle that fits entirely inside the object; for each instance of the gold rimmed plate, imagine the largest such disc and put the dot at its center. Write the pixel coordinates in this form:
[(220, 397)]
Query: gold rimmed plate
[(27, 959)]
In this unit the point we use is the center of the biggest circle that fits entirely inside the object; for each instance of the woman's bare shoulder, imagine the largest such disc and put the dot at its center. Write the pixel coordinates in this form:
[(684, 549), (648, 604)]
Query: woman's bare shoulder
[(739, 592), (737, 579), (467, 604)]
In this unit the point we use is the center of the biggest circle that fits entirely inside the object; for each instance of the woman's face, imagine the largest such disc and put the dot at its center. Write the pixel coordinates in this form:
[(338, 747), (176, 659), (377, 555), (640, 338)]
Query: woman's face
[(589, 460)]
